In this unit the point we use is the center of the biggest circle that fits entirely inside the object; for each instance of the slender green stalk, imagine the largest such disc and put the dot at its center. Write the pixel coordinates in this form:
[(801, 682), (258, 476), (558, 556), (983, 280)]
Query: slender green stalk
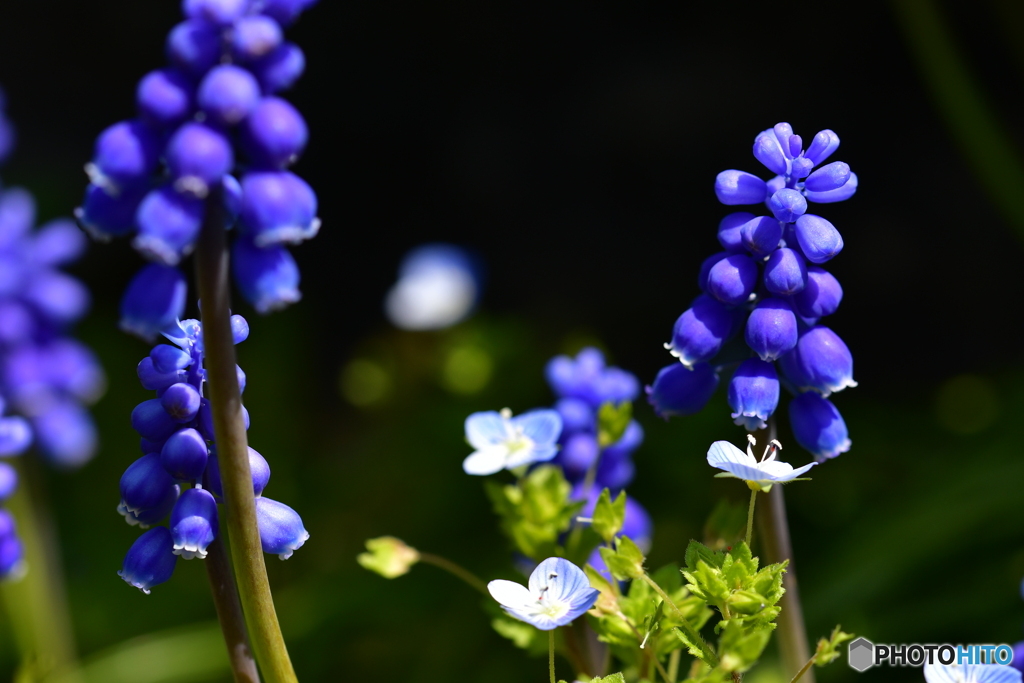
[(551, 655), (750, 515), (37, 603), (673, 666), (710, 657), (805, 668), (229, 613), (455, 570), (661, 669), (232, 451)]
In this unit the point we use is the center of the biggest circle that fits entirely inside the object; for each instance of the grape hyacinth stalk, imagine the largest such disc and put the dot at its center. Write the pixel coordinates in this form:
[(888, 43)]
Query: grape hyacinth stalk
[(768, 285), (167, 176)]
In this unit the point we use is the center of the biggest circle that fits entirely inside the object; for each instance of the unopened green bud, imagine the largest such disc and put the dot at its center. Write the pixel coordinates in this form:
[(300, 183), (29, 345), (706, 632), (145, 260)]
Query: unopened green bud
[(388, 556)]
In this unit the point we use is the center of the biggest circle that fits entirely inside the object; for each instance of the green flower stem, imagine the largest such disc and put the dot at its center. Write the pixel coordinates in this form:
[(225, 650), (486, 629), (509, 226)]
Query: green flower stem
[(455, 570), (36, 603), (805, 669), (551, 655), (673, 666), (750, 515), (229, 613), (710, 658), (232, 450)]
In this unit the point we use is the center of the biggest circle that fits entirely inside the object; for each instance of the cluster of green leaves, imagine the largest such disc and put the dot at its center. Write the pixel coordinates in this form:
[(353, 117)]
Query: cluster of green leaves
[(535, 511)]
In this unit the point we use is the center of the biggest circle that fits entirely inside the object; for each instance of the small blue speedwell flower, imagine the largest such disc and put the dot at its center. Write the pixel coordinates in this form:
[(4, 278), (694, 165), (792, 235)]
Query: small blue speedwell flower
[(971, 673), (558, 592), (505, 442), (759, 474)]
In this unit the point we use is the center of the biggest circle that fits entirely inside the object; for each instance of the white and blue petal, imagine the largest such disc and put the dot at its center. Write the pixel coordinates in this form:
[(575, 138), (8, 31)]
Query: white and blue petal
[(971, 673), (543, 427), (485, 429), (487, 460)]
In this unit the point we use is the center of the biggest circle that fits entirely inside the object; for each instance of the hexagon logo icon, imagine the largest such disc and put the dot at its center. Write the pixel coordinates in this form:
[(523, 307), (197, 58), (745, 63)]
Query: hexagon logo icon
[(861, 654)]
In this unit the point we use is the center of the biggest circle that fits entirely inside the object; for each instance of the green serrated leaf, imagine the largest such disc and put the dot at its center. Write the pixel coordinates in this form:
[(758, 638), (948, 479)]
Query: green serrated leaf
[(612, 421), (696, 646), (740, 647), (613, 678), (608, 515), (827, 650), (536, 511), (625, 561), (696, 551)]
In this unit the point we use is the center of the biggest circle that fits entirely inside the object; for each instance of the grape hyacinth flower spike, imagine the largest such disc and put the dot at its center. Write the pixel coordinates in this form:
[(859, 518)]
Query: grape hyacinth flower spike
[(558, 593), (505, 442)]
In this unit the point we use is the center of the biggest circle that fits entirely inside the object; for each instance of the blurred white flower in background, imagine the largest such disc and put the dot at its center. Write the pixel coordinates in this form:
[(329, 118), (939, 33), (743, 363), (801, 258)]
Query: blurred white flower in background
[(438, 286)]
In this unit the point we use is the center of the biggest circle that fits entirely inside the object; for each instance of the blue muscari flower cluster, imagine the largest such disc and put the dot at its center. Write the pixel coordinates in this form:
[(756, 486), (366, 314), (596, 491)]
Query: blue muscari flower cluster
[(46, 377), (152, 175), (768, 283), (178, 446), (583, 384)]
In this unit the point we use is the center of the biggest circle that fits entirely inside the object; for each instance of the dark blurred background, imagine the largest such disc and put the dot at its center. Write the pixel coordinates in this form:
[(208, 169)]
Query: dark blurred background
[(574, 147)]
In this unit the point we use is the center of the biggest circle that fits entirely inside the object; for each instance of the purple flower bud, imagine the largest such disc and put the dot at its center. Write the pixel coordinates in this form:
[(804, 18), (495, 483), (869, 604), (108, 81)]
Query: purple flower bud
[(785, 273), (17, 323), (217, 12), (801, 166), (274, 134), (281, 530), (15, 436), (8, 525), (700, 331), (678, 390), (837, 195), (615, 468), (730, 231), (753, 394), (151, 421), (577, 455), (783, 133), (164, 98), (280, 69), (198, 156), (17, 215), (277, 207), (65, 434), (821, 296), (771, 329), (104, 216), (820, 361), (59, 298), (259, 468), (11, 555), (829, 177), (153, 379), (705, 269), (8, 481), (239, 329), (227, 94), (768, 151), (57, 243), (268, 277), (737, 187), (761, 235), (154, 300), (818, 239), (577, 415), (255, 36), (126, 155), (194, 47), (181, 401), (824, 144), (795, 146), (147, 487), (193, 523), (732, 279), (169, 223), (168, 359), (150, 561), (787, 205), (818, 427), (240, 376)]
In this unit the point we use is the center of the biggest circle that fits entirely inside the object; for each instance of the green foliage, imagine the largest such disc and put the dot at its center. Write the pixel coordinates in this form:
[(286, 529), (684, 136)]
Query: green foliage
[(613, 678), (521, 634), (608, 515), (625, 560), (612, 421), (535, 511), (388, 556), (828, 648)]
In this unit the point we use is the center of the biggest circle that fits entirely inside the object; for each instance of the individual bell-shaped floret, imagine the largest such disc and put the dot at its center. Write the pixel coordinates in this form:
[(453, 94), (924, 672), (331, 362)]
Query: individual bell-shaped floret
[(730, 231), (167, 358), (15, 436), (105, 216), (204, 420), (155, 380), (185, 455), (785, 273), (771, 329), (753, 393), (268, 277), (227, 94), (194, 47), (700, 331), (837, 195), (17, 323), (768, 151), (822, 146), (279, 69), (577, 454), (761, 235), (150, 561), (240, 375), (147, 491), (281, 530), (151, 421), (787, 205), (17, 215), (678, 390), (817, 426), (259, 469), (165, 98), (216, 12), (126, 155), (615, 473), (255, 36), (198, 156), (65, 434), (193, 523), (705, 269), (274, 134), (153, 301), (8, 481), (577, 415), (829, 177), (278, 207), (73, 368), (12, 554), (737, 187), (821, 296), (821, 361), (732, 279), (169, 222), (239, 329), (818, 239), (59, 298), (58, 242), (181, 401)]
